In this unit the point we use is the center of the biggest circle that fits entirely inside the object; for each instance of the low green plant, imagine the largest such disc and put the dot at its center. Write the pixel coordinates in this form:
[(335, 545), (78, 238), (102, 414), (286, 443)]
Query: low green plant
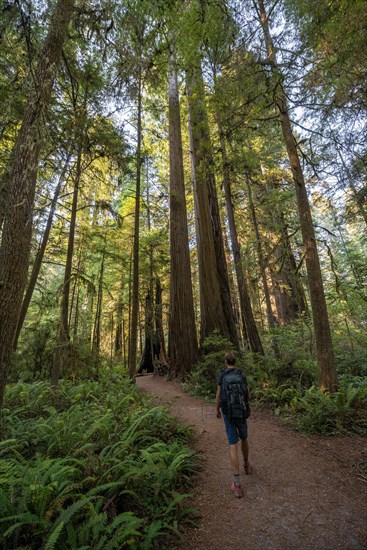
[(288, 388), (340, 412), (202, 380), (93, 465)]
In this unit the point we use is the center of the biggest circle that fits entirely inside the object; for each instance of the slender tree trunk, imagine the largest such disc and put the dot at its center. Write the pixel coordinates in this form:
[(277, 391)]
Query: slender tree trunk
[(119, 328), (76, 316), (90, 307), (112, 324), (40, 253), (17, 228), (124, 342), (147, 362), (62, 352), (135, 281), (247, 317), (233, 288), (75, 291), (324, 345), (118, 335), (159, 324), (97, 323), (183, 340)]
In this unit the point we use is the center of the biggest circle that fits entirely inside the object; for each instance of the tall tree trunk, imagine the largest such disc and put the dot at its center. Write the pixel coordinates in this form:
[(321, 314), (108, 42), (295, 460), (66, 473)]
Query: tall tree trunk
[(212, 315), (286, 307), (159, 324), (4, 192), (324, 345), (75, 293), (76, 316), (215, 296), (147, 359), (135, 281), (119, 327), (62, 351), (183, 340), (248, 321), (17, 228), (287, 288), (40, 253), (262, 264), (96, 345), (289, 295), (290, 268)]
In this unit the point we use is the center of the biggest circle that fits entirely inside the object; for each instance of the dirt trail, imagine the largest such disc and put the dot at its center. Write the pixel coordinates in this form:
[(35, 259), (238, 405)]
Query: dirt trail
[(304, 493)]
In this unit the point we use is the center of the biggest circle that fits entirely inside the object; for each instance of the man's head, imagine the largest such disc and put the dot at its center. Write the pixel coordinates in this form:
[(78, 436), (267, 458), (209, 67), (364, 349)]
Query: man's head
[(230, 359)]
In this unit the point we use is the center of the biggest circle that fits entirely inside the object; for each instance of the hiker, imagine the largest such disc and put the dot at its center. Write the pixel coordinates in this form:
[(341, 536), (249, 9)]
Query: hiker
[(232, 399)]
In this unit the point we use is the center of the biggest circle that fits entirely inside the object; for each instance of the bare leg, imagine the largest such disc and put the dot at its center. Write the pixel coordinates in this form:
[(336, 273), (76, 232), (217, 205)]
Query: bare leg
[(233, 455), (245, 449), (236, 485), (245, 453)]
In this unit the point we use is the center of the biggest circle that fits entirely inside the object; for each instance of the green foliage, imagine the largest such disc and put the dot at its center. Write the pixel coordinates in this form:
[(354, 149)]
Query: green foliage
[(92, 465), (351, 361), (287, 383), (340, 412), (37, 350), (203, 379)]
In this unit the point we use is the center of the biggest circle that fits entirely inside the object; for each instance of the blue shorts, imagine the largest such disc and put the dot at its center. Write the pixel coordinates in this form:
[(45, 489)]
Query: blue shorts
[(235, 430)]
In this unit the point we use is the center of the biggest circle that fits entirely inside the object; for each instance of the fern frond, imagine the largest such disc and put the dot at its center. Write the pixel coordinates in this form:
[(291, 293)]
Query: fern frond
[(54, 537)]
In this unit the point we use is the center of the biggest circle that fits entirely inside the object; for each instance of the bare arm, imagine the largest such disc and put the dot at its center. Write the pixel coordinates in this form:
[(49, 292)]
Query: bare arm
[(217, 401)]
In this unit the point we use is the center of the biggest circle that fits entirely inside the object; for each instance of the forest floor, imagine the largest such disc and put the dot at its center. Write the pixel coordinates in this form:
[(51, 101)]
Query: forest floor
[(304, 492)]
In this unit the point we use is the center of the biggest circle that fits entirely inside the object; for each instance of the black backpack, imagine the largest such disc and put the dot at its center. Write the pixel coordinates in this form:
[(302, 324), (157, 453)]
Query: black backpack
[(234, 395)]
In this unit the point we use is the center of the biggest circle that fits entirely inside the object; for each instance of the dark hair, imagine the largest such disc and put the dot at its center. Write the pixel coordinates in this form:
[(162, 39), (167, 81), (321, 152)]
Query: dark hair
[(230, 358)]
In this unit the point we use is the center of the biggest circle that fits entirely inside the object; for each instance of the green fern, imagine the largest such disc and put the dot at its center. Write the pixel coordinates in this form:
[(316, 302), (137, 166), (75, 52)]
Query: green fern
[(54, 537), (93, 467), (115, 536)]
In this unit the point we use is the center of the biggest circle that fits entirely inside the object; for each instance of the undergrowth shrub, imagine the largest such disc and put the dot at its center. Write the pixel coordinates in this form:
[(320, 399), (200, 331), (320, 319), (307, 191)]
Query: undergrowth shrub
[(93, 466), (288, 385), (351, 361), (202, 380), (340, 412)]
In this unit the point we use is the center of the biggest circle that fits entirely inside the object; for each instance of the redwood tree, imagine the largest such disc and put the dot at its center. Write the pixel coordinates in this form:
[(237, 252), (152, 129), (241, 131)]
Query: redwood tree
[(183, 340), (324, 345), (215, 295), (17, 228)]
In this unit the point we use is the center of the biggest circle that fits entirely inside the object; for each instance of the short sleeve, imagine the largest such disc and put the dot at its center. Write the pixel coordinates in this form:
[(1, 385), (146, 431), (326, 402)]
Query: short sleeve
[(220, 377)]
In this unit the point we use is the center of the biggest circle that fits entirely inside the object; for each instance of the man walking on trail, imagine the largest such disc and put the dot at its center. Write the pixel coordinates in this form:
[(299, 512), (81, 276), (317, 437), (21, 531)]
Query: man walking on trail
[(232, 399)]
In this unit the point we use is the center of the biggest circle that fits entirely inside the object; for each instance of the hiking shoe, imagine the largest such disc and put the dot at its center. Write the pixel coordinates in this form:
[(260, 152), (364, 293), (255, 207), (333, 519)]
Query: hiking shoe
[(247, 467), (237, 490)]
